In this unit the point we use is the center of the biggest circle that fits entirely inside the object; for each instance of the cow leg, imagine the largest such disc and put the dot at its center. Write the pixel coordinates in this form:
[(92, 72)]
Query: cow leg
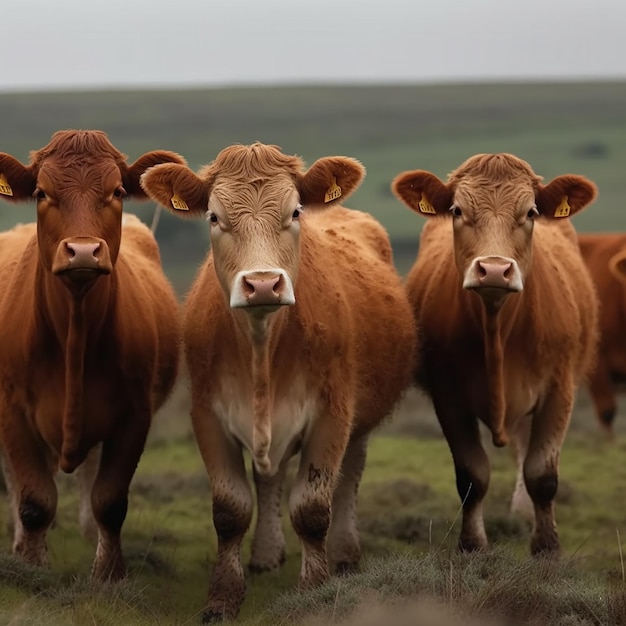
[(602, 393), (86, 474), (521, 504), (310, 500), (30, 481), (109, 497), (268, 546), (541, 467), (232, 513), (471, 466), (344, 548)]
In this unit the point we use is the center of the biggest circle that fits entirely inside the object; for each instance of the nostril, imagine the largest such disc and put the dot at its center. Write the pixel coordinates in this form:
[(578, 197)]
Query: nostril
[(508, 271), (482, 270), (248, 286), (278, 285)]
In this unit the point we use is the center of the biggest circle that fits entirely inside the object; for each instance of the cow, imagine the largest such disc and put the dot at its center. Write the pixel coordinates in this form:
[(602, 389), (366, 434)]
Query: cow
[(298, 337), (508, 323), (605, 257), (90, 335)]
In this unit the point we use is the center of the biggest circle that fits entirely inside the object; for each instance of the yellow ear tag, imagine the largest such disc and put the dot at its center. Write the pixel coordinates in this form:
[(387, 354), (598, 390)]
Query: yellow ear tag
[(179, 203), (5, 188), (334, 192), (563, 209), (425, 206)]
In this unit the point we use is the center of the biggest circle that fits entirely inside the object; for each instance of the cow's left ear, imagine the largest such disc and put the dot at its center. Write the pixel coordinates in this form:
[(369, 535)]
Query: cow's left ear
[(565, 196), (330, 180), (132, 177), (617, 266), (17, 182)]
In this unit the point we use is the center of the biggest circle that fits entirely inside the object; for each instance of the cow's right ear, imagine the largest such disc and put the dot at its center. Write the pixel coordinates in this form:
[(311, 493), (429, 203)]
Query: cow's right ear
[(177, 188), (423, 192), (17, 182), (617, 265)]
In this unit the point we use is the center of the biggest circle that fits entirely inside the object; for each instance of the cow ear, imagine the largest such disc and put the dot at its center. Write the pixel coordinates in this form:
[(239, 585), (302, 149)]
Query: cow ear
[(131, 177), (330, 180), (177, 188), (423, 192), (565, 196), (17, 182), (617, 266)]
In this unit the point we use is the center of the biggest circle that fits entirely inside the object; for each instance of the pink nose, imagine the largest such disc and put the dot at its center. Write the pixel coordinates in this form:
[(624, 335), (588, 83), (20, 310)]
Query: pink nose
[(264, 289), (494, 274), (82, 255)]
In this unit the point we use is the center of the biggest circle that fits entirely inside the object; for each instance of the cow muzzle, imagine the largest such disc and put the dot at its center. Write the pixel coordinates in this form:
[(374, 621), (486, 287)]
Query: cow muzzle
[(81, 260), (490, 273), (268, 289)]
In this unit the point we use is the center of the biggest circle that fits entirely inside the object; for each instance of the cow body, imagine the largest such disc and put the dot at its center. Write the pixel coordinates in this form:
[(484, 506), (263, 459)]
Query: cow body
[(90, 331), (508, 321), (605, 257), (299, 338)]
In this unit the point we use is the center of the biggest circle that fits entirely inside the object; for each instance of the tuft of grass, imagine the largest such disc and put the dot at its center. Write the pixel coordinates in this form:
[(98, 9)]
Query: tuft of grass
[(484, 586)]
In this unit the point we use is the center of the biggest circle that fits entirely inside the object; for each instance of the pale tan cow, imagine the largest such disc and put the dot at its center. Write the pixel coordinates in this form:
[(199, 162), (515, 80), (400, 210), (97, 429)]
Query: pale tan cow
[(508, 323), (298, 338)]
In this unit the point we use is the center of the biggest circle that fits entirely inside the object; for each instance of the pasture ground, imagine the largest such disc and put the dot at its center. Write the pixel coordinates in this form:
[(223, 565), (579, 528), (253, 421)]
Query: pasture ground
[(409, 524)]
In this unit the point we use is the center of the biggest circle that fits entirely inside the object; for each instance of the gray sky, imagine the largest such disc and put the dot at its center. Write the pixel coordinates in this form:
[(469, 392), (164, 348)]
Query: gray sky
[(49, 44)]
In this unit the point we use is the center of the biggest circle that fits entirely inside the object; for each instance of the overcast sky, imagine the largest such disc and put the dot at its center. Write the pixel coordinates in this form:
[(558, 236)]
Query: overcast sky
[(50, 44)]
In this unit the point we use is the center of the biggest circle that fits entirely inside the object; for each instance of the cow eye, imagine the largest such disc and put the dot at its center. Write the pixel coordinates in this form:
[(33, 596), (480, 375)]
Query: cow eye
[(532, 213), (40, 195), (213, 218), (120, 192), (455, 211), (296, 213)]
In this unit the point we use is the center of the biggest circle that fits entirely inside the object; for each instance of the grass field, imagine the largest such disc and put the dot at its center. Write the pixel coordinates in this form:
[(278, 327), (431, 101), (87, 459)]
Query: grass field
[(408, 503), (558, 128), (408, 519)]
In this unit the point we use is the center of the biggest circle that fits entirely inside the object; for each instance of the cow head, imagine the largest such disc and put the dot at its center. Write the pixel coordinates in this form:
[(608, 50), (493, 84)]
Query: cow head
[(255, 198), (493, 201), (79, 181)]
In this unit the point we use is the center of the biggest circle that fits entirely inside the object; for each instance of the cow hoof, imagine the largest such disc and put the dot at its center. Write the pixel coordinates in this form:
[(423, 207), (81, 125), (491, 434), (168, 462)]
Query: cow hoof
[(344, 568), (545, 547), (471, 544), (263, 568), (214, 616)]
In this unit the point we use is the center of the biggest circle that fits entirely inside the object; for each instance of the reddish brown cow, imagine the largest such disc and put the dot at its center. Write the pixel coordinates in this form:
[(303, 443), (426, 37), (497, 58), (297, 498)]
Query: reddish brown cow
[(90, 336), (605, 256), (508, 323), (298, 337)]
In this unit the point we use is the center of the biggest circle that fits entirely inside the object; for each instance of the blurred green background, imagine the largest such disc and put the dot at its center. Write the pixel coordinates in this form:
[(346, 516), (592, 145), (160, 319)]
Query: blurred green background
[(557, 127)]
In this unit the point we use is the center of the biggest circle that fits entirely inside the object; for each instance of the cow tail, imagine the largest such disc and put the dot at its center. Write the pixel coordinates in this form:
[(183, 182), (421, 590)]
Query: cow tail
[(262, 424), (494, 363), (73, 409)]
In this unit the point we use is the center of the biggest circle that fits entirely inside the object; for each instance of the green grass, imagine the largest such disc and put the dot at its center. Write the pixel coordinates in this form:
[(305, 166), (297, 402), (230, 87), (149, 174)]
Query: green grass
[(558, 128), (408, 511)]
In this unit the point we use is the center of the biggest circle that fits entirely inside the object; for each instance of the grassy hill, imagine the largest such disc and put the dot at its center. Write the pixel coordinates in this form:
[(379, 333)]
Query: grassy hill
[(558, 128)]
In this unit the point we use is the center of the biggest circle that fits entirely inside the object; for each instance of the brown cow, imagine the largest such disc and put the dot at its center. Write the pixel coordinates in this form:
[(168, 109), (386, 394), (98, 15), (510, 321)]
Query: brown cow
[(508, 323), (90, 336), (298, 337), (605, 256)]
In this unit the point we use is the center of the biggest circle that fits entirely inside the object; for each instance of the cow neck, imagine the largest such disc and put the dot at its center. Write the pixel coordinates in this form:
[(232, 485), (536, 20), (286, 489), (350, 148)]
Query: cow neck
[(262, 333), (76, 322)]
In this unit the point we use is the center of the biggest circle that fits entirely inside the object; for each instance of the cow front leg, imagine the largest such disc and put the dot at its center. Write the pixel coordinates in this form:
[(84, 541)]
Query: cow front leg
[(232, 513), (268, 546), (541, 467), (344, 548), (32, 491), (119, 457), (310, 501), (471, 466)]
